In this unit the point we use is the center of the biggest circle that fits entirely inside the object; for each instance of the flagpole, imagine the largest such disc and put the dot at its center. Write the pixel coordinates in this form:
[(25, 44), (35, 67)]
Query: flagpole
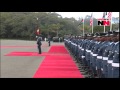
[(83, 26), (92, 22), (111, 22), (104, 14), (37, 26), (104, 28)]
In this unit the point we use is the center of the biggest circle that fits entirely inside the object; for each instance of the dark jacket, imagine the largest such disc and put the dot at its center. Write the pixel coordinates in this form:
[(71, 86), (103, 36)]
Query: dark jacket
[(39, 41)]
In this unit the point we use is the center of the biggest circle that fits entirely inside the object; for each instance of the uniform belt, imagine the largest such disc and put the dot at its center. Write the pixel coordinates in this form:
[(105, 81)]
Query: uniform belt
[(110, 51), (83, 56), (82, 49), (102, 69), (109, 61), (91, 53), (105, 58), (94, 54), (115, 64), (99, 57), (88, 50), (75, 44), (115, 51)]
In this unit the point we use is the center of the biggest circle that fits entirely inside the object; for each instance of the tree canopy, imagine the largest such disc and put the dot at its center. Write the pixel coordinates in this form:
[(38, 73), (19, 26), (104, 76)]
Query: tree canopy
[(23, 25)]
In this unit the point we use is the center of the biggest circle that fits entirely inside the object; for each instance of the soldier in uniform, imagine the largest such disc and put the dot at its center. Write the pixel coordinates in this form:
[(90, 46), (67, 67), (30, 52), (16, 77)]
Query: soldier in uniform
[(115, 64), (87, 57), (105, 57), (92, 56), (90, 51), (111, 54), (79, 48), (83, 50), (101, 50), (98, 52)]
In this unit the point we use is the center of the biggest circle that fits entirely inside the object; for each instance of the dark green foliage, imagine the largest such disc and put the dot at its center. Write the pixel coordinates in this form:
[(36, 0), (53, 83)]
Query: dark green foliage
[(23, 25)]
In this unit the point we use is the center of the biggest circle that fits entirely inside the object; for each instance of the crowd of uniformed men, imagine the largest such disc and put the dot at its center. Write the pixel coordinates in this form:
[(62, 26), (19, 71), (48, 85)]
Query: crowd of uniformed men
[(98, 53)]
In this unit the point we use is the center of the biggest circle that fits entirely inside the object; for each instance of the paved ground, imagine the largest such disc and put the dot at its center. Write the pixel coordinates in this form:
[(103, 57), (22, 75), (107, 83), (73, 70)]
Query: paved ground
[(20, 66)]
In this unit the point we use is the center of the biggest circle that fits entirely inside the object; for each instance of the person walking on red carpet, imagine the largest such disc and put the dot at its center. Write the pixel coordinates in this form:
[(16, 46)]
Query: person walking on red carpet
[(49, 40), (39, 43)]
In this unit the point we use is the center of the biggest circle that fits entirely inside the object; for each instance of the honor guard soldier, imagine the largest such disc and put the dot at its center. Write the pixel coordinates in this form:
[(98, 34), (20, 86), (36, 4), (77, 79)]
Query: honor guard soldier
[(101, 50), (111, 54), (105, 56), (115, 63), (106, 48), (94, 54)]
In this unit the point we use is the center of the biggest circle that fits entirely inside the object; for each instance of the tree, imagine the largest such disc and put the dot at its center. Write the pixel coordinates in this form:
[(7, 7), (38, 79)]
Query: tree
[(23, 25)]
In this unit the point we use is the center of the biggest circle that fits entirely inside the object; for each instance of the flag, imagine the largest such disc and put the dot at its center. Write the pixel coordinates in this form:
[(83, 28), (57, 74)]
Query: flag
[(91, 20), (81, 22), (38, 32), (104, 17), (110, 18), (109, 15)]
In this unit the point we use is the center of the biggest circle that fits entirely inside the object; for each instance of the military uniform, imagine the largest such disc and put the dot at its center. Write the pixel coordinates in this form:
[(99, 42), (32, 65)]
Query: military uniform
[(115, 64), (83, 49), (93, 56), (101, 52), (105, 59), (100, 56), (80, 48), (87, 52), (110, 58)]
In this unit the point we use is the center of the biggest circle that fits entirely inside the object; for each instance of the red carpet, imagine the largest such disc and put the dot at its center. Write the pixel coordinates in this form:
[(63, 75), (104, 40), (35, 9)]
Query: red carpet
[(58, 66), (58, 49), (17, 53), (57, 63)]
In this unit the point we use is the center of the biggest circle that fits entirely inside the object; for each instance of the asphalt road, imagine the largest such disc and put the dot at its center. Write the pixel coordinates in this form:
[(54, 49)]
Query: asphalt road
[(20, 66)]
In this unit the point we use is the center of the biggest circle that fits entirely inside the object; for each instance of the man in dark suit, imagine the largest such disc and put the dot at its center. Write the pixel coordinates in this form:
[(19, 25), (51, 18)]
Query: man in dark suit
[(49, 40), (39, 44)]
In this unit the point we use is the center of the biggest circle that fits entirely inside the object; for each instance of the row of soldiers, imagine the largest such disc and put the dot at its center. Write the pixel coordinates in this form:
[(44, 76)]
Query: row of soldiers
[(98, 52)]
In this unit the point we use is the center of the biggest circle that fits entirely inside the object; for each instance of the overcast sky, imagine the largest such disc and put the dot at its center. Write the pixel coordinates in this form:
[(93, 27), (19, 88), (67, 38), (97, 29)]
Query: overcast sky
[(76, 15)]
